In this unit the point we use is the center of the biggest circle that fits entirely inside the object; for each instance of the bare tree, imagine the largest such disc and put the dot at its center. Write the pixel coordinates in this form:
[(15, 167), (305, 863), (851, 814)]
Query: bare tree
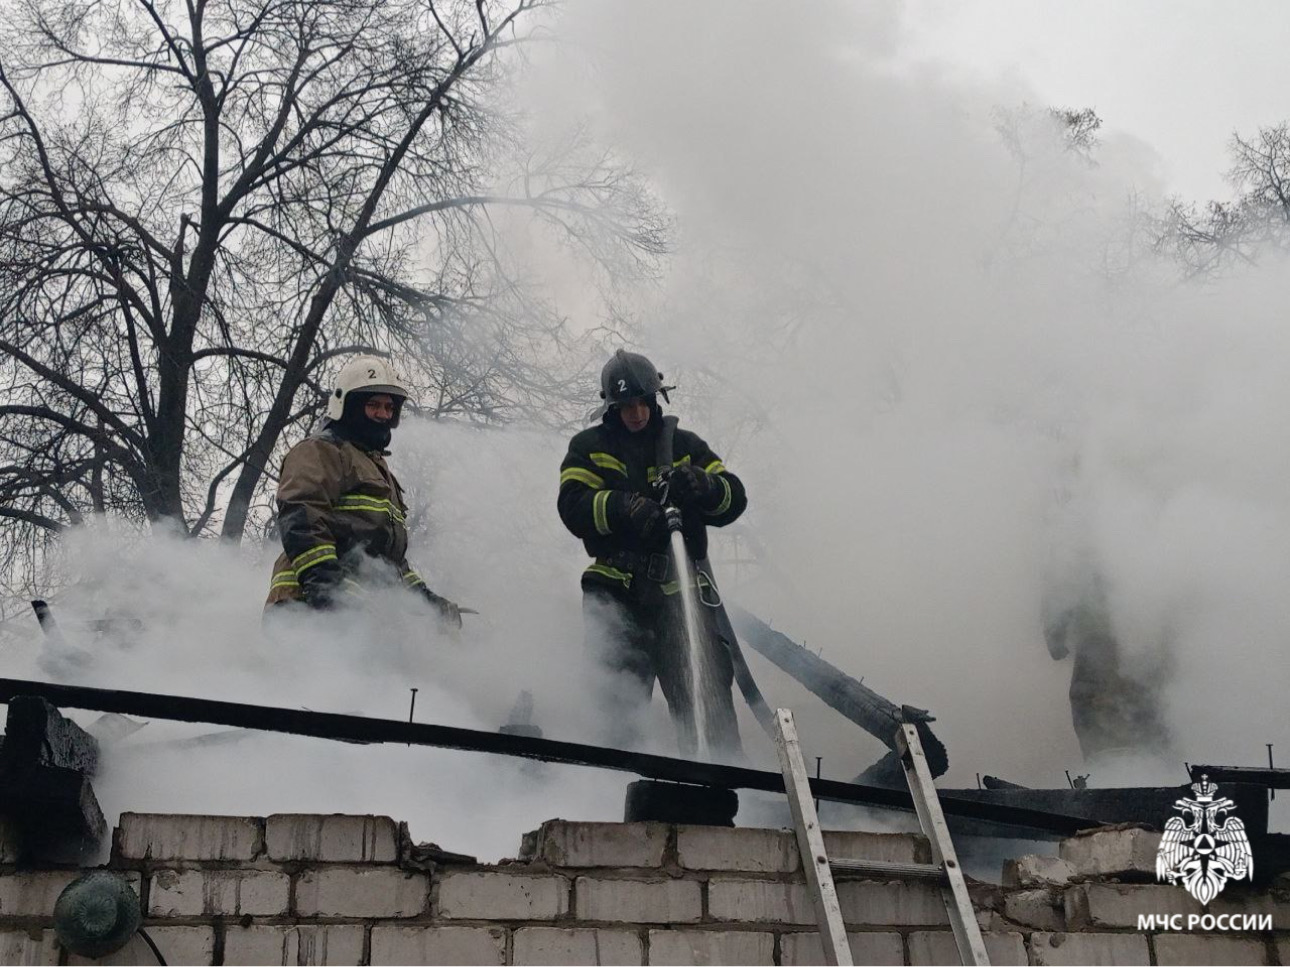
[(202, 205), (1208, 239)]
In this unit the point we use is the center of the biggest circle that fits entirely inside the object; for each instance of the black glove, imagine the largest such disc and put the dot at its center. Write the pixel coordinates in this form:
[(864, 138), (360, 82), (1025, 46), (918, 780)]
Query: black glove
[(643, 519), (691, 487), (448, 611), (320, 585)]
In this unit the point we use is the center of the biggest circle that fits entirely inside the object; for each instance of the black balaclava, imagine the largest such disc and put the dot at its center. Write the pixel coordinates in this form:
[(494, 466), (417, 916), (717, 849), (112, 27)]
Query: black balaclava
[(614, 419), (355, 425)]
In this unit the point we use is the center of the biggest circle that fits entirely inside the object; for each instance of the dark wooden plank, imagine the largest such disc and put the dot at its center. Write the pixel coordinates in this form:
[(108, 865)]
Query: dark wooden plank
[(357, 728)]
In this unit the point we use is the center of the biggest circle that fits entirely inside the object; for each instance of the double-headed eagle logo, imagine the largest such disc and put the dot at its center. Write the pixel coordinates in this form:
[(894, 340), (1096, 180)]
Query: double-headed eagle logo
[(1205, 846)]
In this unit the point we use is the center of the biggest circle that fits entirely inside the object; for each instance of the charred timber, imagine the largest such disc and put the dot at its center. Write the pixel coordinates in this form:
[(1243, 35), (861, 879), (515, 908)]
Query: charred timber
[(859, 703), (46, 762), (357, 728), (1267, 778)]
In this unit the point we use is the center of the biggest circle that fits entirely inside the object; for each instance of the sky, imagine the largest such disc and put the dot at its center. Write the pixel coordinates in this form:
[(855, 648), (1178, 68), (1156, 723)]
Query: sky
[(1181, 75)]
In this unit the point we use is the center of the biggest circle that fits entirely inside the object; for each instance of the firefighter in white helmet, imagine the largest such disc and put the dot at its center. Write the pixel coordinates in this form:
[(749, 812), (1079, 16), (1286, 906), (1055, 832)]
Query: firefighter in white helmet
[(341, 514)]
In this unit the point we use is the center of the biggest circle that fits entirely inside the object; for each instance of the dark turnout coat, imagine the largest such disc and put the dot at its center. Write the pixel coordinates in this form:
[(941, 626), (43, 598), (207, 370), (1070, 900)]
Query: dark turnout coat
[(605, 462)]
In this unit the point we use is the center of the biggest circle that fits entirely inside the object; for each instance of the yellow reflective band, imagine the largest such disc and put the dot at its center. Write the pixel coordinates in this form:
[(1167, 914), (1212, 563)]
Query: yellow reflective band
[(716, 466), (609, 462), (671, 587), (284, 579), (600, 511), (611, 572), (724, 506), (313, 556), (414, 579), (363, 503), (582, 476)]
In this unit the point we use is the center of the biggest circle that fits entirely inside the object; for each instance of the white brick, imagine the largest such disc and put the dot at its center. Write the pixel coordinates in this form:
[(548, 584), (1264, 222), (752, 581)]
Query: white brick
[(371, 892), (438, 945), (638, 901), (1034, 870), (142, 836), (194, 893), (563, 843), (1240, 900), (10, 844), (34, 894), (179, 945), (759, 901), (578, 945), (340, 944), (501, 896), (744, 850), (1112, 852), (1183, 949), (926, 947), (331, 839), (866, 948), (748, 850), (1112, 905), (848, 844), (884, 904), (1077, 949), (1037, 909), (28, 947), (710, 947)]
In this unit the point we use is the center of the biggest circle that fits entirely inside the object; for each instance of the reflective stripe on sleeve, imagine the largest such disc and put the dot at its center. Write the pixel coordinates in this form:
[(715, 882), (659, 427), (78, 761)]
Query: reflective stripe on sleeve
[(582, 476), (284, 579), (413, 580), (600, 511), (716, 466), (314, 556), (724, 506)]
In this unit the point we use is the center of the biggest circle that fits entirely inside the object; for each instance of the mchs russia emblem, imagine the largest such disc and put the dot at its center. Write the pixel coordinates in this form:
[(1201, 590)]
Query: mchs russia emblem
[(1204, 846)]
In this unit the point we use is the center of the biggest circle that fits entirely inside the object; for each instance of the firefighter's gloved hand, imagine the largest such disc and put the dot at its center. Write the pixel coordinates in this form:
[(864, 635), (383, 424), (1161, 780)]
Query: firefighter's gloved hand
[(644, 519), (692, 487), (449, 611), (320, 585)]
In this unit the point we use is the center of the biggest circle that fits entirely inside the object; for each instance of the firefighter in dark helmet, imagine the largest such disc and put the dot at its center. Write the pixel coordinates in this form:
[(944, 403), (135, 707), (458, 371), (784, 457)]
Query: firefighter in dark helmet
[(341, 514), (609, 498)]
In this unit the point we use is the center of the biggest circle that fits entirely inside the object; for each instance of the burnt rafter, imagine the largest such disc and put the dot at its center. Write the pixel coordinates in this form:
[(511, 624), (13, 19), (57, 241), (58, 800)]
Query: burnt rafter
[(357, 728)]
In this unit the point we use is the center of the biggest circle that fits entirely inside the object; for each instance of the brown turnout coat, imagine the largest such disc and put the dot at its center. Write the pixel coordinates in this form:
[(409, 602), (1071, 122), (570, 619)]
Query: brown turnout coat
[(338, 504)]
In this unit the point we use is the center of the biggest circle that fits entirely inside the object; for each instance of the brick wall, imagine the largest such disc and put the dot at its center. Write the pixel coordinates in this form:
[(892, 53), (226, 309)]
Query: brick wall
[(350, 890)]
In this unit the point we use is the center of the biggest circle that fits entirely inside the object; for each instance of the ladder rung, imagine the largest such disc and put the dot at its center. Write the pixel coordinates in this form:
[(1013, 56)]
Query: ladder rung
[(891, 871)]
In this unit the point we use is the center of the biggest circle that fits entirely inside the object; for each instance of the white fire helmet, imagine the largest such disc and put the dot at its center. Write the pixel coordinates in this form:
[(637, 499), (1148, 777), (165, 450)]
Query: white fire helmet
[(364, 374)]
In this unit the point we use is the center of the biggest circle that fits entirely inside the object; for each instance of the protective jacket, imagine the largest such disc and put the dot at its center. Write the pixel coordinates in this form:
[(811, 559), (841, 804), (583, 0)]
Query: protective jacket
[(340, 511), (605, 465)]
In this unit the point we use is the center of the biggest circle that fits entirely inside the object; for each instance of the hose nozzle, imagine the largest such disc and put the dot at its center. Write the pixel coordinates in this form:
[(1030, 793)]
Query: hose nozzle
[(673, 515)]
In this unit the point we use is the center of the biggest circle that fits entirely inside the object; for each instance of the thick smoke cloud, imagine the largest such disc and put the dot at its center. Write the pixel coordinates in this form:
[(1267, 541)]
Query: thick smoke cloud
[(934, 338)]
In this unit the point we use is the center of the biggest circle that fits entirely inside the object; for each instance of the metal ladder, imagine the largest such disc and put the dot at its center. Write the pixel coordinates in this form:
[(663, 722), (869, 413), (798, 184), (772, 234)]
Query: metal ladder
[(944, 868)]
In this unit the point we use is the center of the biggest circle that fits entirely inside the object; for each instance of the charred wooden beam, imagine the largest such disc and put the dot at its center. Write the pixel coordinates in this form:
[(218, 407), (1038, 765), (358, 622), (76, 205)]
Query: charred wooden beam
[(46, 762), (1267, 778), (357, 728), (862, 705)]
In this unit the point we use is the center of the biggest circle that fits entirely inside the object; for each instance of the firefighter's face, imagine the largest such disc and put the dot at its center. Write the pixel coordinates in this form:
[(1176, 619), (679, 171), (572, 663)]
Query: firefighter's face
[(379, 408), (635, 414)]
